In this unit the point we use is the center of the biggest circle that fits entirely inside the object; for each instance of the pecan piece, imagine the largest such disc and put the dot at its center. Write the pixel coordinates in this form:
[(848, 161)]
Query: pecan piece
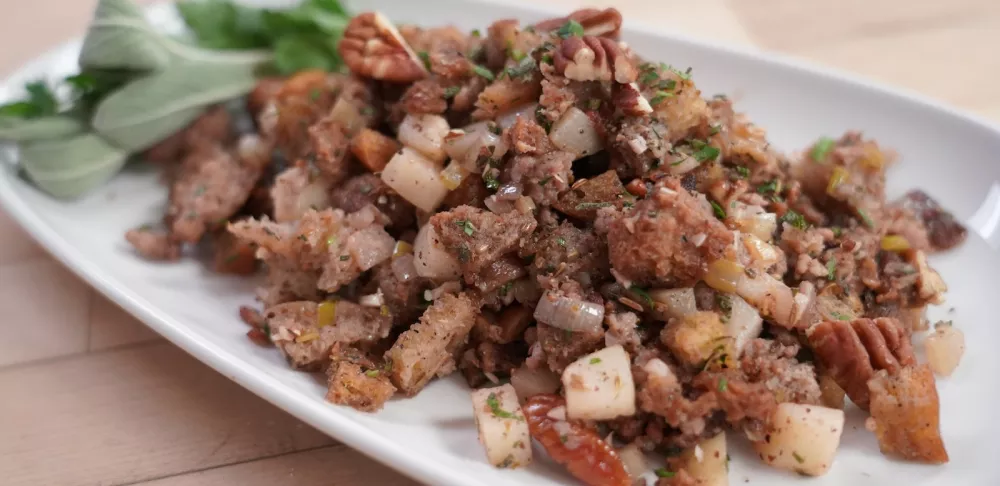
[(591, 58), (629, 99), (603, 23), (851, 352), (373, 48), (572, 444)]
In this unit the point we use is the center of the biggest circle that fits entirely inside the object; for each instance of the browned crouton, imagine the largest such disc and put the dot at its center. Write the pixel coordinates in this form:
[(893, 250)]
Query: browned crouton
[(477, 237), (906, 412), (305, 332), (373, 149), (429, 346)]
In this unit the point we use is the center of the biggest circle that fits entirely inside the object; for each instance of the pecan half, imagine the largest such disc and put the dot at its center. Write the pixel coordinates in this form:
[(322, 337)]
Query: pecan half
[(604, 23), (629, 99), (373, 48), (851, 352), (591, 58)]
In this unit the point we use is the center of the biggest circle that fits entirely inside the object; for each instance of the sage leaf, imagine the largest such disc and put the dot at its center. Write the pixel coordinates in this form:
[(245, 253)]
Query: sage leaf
[(71, 167), (154, 107), (120, 37), (50, 127)]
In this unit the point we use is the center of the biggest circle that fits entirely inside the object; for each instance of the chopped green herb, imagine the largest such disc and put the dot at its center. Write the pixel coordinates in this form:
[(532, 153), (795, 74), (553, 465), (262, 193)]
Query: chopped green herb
[(743, 172), (40, 102), (464, 255), (667, 85), (451, 91), (594, 104), (686, 74), (466, 226), (595, 360), (641, 292), (523, 68), (331, 240), (368, 111), (659, 97), (591, 205), (773, 186), (714, 128), (723, 383), (561, 241), (725, 304), (542, 120), (344, 258), (563, 438), (839, 316), (866, 218), (837, 231), (663, 473), (483, 72), (545, 180), (795, 219), (628, 204), (703, 151), (821, 149), (831, 270), (426, 58), (490, 180), (372, 373), (493, 127), (494, 405), (517, 55), (797, 457), (506, 289), (718, 210), (648, 77), (476, 33), (546, 58), (570, 29)]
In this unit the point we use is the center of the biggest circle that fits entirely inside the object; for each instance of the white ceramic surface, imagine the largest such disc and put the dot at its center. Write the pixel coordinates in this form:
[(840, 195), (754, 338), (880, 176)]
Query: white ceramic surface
[(432, 436)]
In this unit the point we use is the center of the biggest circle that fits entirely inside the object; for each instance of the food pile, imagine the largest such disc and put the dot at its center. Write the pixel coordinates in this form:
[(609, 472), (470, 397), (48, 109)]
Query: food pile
[(614, 262)]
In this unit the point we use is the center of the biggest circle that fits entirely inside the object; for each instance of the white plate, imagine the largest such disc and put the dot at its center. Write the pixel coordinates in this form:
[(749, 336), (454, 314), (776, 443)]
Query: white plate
[(432, 437)]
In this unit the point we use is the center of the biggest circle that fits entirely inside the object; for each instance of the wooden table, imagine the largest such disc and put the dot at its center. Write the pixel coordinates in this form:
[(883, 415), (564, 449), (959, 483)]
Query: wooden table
[(90, 396)]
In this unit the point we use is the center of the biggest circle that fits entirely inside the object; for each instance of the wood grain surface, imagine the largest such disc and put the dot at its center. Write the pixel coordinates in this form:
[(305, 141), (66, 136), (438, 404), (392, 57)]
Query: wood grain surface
[(89, 396)]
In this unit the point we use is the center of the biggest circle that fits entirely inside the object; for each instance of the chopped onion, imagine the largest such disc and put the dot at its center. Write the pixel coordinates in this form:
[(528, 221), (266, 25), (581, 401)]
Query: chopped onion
[(452, 175), (682, 165), (530, 382), (403, 267), (370, 246), (372, 300), (575, 133), (634, 460), (467, 144), (503, 201), (431, 259), (425, 134), (569, 313), (347, 114), (753, 220), (506, 120), (724, 275), (415, 178), (760, 253), (673, 303), (945, 347), (744, 323)]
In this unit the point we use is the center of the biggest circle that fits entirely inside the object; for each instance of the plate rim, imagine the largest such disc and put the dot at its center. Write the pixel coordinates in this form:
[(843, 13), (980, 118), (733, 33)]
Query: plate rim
[(341, 427)]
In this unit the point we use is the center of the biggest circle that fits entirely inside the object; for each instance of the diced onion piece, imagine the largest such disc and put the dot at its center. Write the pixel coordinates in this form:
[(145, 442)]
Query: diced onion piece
[(506, 120), (370, 246), (425, 134), (895, 243), (684, 164), (415, 178), (761, 253), (452, 175), (294, 193), (530, 382), (403, 267), (724, 275), (599, 385), (754, 220), (634, 460), (432, 260), (575, 133), (569, 313), (771, 297), (347, 114), (837, 178), (707, 462), (372, 300), (744, 323), (468, 144), (804, 440), (945, 347), (673, 303), (503, 430)]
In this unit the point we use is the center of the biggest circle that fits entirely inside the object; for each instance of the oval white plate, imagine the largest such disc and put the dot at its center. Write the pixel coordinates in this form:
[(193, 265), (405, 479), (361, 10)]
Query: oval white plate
[(432, 437)]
